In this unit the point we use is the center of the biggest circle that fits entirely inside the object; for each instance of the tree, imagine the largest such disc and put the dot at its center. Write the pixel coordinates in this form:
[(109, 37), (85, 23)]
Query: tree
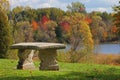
[(110, 27), (59, 35), (20, 13), (50, 31), (5, 37), (34, 25), (5, 4), (79, 35), (98, 28), (45, 31), (117, 18), (24, 32), (76, 7), (53, 13)]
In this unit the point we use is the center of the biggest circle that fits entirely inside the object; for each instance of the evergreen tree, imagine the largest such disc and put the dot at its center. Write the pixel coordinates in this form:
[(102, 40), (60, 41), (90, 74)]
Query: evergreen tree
[(5, 37)]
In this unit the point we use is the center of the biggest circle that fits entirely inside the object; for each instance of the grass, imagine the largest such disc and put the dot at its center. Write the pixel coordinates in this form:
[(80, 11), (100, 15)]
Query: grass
[(68, 71)]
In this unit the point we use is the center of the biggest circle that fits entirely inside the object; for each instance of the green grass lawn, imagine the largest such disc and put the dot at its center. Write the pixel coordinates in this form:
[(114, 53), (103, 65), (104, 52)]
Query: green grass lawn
[(68, 71)]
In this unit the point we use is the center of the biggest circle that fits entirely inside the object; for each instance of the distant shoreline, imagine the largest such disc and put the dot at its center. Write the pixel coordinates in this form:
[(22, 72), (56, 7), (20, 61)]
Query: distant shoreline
[(112, 42), (106, 53)]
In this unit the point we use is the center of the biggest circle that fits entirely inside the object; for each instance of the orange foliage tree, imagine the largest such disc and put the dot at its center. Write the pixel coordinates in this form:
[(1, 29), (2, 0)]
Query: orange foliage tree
[(88, 20), (114, 29), (34, 25), (65, 26)]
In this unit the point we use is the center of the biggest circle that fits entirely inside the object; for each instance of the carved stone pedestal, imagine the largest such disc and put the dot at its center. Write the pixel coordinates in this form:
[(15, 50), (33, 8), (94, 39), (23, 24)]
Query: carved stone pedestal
[(48, 60), (25, 59)]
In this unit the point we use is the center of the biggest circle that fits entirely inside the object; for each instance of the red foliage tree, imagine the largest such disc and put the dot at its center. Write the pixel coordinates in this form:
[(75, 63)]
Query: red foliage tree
[(65, 26), (44, 19)]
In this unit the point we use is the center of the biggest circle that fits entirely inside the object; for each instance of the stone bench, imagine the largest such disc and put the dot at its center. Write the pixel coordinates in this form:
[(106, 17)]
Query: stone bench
[(47, 55)]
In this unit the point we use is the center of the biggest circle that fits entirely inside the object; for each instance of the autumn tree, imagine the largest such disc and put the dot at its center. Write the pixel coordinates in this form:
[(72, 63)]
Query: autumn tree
[(20, 14), (76, 7), (98, 28), (34, 25), (46, 30), (5, 37), (110, 27), (50, 31), (24, 32), (65, 28), (5, 4), (117, 18), (80, 36)]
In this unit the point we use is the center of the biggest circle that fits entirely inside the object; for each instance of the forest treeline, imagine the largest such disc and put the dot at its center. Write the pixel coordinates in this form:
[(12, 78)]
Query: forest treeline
[(46, 24)]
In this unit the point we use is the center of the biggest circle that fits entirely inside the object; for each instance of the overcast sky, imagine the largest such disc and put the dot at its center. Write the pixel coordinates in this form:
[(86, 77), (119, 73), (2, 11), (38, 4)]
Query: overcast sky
[(91, 5)]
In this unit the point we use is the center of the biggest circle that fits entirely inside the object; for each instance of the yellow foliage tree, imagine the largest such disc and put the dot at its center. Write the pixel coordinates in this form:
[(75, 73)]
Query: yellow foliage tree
[(80, 36), (5, 4)]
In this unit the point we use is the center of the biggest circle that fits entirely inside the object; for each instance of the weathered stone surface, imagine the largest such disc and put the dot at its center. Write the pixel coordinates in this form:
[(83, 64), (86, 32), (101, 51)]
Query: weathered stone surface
[(38, 46), (25, 59), (47, 55), (48, 60)]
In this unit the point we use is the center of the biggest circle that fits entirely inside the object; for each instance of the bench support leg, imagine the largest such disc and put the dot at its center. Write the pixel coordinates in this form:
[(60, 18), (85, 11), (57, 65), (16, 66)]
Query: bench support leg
[(48, 60), (25, 59)]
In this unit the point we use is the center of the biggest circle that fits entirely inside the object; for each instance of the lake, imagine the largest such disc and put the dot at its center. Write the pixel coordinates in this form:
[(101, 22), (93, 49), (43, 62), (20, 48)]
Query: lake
[(105, 48)]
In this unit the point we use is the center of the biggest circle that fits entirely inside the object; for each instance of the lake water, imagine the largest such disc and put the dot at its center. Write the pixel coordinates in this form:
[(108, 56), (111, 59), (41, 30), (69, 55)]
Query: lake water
[(105, 48)]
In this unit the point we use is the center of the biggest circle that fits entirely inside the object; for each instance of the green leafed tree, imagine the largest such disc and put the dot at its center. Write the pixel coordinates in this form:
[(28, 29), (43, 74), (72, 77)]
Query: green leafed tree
[(23, 32), (50, 31), (5, 37), (76, 7)]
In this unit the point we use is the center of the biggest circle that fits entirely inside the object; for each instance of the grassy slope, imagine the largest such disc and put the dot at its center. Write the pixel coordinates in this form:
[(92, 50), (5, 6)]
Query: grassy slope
[(68, 71)]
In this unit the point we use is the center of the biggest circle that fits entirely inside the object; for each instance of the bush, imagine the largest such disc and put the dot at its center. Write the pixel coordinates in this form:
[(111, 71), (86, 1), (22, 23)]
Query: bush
[(12, 54), (73, 56)]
